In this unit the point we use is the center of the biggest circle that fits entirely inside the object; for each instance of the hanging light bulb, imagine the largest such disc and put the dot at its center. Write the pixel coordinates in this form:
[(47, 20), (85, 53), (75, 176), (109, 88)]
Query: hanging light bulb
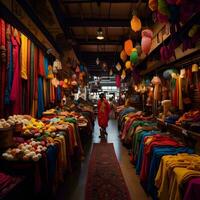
[(100, 34)]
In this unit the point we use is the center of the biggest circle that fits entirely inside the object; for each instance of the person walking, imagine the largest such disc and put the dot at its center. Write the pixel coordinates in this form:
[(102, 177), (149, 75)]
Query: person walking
[(103, 114)]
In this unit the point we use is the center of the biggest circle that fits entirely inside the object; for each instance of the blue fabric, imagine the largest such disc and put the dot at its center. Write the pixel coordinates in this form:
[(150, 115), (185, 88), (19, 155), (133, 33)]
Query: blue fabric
[(157, 154), (58, 93), (9, 75), (40, 97), (141, 149), (51, 159), (46, 66)]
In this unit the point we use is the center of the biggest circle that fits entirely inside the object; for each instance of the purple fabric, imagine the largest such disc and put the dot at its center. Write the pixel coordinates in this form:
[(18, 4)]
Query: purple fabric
[(192, 189)]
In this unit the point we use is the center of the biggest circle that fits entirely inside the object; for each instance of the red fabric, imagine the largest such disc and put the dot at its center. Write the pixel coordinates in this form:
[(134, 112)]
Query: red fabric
[(28, 74), (158, 140), (16, 91), (3, 65), (103, 113), (41, 64)]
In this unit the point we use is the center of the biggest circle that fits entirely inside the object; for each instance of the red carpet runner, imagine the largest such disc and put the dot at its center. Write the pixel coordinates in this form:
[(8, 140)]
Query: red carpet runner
[(105, 180)]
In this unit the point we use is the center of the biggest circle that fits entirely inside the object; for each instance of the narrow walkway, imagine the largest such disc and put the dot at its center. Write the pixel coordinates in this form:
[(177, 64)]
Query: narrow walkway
[(74, 187)]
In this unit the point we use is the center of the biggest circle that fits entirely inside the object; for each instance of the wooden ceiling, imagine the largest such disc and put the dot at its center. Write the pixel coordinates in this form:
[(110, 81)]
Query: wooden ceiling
[(73, 24)]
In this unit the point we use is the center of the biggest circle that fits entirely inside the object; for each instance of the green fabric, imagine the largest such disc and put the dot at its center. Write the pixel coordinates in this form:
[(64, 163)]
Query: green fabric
[(70, 120)]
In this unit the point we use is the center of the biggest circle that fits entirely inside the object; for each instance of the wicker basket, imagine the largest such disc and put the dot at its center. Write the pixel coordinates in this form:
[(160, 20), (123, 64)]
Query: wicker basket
[(6, 137), (18, 127)]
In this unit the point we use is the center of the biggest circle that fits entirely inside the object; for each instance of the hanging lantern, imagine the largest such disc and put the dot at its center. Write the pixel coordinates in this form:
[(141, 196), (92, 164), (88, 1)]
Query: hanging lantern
[(55, 82), (97, 61), (135, 23), (118, 66), (117, 81), (128, 45), (153, 5), (123, 75), (134, 56), (50, 72), (195, 68), (128, 64), (123, 55), (146, 42)]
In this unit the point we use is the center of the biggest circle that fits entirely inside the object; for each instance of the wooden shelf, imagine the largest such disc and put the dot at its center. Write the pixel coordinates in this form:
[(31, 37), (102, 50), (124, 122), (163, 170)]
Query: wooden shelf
[(193, 20)]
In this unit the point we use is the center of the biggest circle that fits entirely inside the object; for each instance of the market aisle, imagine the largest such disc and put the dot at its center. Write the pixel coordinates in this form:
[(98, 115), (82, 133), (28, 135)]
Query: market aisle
[(74, 187)]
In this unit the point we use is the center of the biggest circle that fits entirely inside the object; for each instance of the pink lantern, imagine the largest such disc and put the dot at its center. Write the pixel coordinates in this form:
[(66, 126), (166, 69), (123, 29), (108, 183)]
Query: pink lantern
[(146, 42), (117, 81)]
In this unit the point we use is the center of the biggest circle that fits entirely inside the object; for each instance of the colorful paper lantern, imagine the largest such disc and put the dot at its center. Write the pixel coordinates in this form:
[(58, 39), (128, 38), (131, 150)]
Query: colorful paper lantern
[(146, 42), (128, 64), (123, 75), (135, 23), (118, 66), (195, 68), (128, 45), (134, 56), (153, 5), (123, 55), (61, 83)]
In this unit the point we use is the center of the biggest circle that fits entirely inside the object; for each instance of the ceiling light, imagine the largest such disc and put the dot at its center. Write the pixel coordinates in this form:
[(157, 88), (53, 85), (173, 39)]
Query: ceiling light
[(100, 34)]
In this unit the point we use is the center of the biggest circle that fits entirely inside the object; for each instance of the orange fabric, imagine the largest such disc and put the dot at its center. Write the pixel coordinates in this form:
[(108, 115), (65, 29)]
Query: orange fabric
[(41, 64)]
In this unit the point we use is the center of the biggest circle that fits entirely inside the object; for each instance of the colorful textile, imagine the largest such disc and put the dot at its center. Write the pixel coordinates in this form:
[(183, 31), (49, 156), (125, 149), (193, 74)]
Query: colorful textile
[(24, 51), (40, 97)]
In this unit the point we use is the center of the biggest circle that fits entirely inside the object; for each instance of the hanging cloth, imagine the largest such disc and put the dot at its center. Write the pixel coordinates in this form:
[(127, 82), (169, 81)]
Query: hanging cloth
[(40, 97), (31, 76), (3, 64), (16, 91), (180, 97), (9, 66), (46, 67), (24, 51), (41, 70), (35, 86)]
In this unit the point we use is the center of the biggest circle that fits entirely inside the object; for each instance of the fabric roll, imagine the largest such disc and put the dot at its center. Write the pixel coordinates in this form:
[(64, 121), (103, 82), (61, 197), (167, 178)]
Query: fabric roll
[(24, 52)]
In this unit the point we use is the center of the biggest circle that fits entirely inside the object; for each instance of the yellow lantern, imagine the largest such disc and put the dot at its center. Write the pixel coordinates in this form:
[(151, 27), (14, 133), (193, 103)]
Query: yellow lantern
[(195, 68), (135, 23), (128, 45), (123, 75), (128, 64), (123, 55)]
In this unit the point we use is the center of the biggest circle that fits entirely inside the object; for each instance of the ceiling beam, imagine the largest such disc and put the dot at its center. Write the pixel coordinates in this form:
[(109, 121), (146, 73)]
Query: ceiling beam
[(99, 42), (31, 13), (55, 4), (101, 1), (96, 22)]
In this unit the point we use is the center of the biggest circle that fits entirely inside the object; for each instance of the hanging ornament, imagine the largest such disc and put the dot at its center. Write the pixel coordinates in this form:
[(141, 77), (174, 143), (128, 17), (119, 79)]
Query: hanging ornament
[(146, 42), (123, 55), (61, 83), (128, 45), (118, 66), (135, 23), (123, 75), (153, 5), (134, 56), (128, 64), (195, 68), (55, 82)]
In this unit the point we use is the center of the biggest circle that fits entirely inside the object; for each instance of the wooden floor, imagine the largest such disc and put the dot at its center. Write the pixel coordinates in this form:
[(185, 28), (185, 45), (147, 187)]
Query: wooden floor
[(74, 186)]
